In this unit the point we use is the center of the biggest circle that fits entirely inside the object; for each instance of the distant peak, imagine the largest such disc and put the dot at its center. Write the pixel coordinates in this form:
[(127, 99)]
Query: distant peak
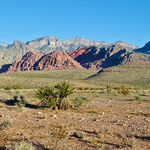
[(16, 43), (147, 44)]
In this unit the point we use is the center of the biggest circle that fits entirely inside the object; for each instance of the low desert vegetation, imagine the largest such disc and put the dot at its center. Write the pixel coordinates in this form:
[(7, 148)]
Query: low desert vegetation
[(67, 114)]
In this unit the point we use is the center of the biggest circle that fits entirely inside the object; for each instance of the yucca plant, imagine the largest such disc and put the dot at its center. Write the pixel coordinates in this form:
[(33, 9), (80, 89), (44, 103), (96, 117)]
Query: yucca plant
[(47, 95), (63, 90)]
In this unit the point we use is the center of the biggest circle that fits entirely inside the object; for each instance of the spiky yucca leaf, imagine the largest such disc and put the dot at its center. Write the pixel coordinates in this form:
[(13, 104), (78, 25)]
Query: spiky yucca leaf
[(47, 95), (64, 89)]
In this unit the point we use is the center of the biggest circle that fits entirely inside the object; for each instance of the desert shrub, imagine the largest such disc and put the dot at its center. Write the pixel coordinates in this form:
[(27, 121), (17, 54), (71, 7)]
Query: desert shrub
[(108, 89), (7, 88), (138, 97), (15, 98), (125, 91), (59, 136), (16, 87), (116, 88), (4, 98), (16, 101), (80, 88), (77, 101), (6, 122), (86, 88), (22, 97), (23, 146)]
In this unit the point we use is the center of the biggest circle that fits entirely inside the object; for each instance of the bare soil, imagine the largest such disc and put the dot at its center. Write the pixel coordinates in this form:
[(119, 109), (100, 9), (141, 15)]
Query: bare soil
[(104, 122)]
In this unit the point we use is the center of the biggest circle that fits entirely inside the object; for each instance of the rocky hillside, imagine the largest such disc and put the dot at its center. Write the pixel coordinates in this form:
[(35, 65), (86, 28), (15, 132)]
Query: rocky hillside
[(15, 51), (42, 61), (4, 46), (48, 44), (26, 62), (145, 49), (92, 57)]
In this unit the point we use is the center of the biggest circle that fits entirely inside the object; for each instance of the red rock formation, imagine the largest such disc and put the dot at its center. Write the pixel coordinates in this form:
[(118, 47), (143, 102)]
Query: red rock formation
[(57, 60), (42, 61), (92, 57), (26, 62)]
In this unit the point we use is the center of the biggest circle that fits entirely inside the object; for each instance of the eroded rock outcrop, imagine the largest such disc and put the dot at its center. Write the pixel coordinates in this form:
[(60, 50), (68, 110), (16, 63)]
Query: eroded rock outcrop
[(42, 61), (57, 60)]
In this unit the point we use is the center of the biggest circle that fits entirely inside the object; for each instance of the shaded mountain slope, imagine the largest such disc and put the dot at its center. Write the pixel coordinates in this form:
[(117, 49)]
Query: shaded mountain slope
[(92, 57), (145, 49)]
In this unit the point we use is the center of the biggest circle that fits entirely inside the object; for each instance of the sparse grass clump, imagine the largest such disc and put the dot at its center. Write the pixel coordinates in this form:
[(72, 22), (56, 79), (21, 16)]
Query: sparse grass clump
[(6, 122), (78, 101), (23, 146)]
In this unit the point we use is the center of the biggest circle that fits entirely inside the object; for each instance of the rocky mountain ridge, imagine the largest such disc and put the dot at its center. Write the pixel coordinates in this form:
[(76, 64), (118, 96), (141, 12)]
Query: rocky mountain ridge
[(15, 51), (49, 43), (92, 57)]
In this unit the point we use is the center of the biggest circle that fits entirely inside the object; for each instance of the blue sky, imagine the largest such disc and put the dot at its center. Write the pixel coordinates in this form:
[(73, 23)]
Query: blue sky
[(99, 20)]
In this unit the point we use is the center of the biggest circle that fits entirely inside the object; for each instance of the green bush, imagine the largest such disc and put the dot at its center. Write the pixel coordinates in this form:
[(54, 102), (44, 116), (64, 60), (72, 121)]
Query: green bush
[(77, 101), (138, 97)]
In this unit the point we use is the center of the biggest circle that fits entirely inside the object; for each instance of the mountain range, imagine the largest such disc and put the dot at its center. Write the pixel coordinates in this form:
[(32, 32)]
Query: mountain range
[(89, 57), (90, 54), (48, 44)]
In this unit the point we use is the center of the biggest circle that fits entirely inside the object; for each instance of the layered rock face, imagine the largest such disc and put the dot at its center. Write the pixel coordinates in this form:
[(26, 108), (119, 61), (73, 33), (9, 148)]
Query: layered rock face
[(42, 61), (26, 62), (92, 57), (57, 60)]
